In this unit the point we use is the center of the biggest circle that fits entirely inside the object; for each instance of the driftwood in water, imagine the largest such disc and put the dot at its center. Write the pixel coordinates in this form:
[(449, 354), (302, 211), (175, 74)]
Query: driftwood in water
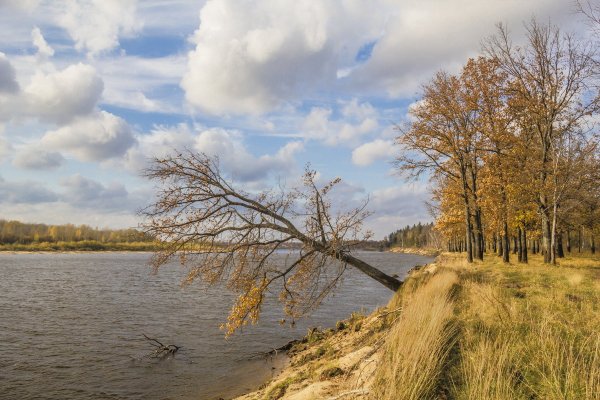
[(161, 350)]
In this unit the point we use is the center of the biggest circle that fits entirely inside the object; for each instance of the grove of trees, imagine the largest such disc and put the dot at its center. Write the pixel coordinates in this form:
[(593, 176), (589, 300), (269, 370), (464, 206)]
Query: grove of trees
[(418, 236), (15, 232), (511, 146)]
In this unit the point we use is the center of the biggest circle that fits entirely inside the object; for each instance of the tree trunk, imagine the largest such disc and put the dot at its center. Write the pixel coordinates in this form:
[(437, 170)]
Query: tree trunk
[(569, 241), (524, 256), (478, 234), (468, 233), (494, 244), (519, 244), (388, 281), (560, 253), (500, 246), (579, 239), (553, 234), (592, 244), (515, 245), (506, 244), (546, 245)]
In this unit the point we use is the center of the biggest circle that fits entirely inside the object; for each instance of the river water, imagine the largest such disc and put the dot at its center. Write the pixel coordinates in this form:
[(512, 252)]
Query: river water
[(71, 327)]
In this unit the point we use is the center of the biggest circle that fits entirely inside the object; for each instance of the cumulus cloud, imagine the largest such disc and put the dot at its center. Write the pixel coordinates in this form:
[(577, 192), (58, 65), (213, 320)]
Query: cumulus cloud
[(369, 152), (397, 206), (23, 5), (238, 161), (96, 25), (25, 193), (250, 57), (35, 157), (87, 193), (421, 37), (40, 43), (63, 95), (227, 145), (5, 147), (97, 137), (8, 76), (357, 120)]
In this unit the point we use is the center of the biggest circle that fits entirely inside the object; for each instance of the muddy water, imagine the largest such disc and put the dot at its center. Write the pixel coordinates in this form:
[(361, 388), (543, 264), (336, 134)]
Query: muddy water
[(71, 328)]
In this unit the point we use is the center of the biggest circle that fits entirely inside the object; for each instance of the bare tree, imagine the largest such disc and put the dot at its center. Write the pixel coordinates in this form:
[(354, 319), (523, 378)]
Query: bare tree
[(225, 234)]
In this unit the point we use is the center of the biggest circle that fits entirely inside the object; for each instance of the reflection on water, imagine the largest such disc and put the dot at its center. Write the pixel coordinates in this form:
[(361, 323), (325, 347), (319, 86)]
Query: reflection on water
[(71, 327)]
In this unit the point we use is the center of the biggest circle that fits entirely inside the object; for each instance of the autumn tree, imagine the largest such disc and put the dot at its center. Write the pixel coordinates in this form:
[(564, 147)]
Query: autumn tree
[(552, 95), (225, 234), (459, 121)]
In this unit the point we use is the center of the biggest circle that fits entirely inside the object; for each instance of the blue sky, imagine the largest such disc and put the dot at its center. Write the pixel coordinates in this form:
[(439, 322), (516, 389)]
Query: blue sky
[(90, 90)]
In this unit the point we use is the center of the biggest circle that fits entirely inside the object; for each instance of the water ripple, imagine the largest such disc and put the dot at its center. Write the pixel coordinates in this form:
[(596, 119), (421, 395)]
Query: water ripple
[(71, 327)]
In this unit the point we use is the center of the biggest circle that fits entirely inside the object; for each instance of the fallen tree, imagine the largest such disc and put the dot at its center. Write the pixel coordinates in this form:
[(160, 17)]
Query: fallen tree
[(225, 234)]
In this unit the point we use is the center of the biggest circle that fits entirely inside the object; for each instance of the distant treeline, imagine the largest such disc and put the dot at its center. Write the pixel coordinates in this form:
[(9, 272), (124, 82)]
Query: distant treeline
[(19, 233), (418, 235)]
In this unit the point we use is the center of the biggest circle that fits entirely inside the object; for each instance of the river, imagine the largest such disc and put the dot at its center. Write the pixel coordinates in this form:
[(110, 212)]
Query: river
[(71, 327)]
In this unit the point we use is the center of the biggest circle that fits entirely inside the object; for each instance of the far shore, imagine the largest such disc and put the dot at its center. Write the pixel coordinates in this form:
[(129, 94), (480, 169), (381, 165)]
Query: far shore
[(422, 251)]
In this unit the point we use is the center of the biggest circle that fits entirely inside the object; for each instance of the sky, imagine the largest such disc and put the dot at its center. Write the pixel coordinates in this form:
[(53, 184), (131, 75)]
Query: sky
[(91, 90)]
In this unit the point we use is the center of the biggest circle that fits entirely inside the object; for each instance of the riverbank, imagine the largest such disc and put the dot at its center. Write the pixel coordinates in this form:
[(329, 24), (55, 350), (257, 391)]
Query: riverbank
[(80, 246), (455, 331), (422, 251)]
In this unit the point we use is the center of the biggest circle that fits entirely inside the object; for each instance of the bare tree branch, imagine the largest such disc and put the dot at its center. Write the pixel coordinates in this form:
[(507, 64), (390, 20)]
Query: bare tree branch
[(224, 234)]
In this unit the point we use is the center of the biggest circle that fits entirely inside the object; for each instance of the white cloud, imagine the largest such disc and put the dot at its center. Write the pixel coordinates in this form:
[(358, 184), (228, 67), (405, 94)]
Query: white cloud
[(44, 49), (35, 157), (423, 36), (27, 192), (22, 5), (8, 76), (254, 57), (87, 193), (369, 152), (397, 206), (358, 121), (228, 146), (132, 81), (63, 95), (97, 137), (238, 161), (251, 57), (5, 147), (96, 25), (160, 142)]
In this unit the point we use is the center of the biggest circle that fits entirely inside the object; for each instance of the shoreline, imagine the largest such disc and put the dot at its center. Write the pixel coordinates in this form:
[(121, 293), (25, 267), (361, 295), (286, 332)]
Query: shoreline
[(374, 356), (355, 342), (421, 251), (45, 252)]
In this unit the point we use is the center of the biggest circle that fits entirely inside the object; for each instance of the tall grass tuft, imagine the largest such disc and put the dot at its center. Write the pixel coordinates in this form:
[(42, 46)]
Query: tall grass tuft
[(419, 343)]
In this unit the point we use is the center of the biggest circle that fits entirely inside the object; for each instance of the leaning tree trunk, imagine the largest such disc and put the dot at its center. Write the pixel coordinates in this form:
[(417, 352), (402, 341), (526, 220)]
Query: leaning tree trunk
[(388, 281)]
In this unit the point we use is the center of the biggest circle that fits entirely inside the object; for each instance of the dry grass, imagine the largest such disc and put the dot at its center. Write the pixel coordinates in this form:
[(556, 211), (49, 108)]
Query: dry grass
[(525, 332), (419, 343)]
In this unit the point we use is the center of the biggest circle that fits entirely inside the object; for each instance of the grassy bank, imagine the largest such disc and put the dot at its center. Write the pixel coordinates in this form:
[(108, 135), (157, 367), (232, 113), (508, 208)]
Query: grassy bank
[(85, 245), (458, 331)]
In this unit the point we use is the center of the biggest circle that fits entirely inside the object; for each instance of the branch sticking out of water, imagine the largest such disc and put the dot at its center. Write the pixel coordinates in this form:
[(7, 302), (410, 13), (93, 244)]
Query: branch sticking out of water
[(161, 350)]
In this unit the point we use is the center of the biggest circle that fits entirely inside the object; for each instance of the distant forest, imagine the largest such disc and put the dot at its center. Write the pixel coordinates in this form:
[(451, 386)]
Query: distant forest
[(15, 232), (418, 235)]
